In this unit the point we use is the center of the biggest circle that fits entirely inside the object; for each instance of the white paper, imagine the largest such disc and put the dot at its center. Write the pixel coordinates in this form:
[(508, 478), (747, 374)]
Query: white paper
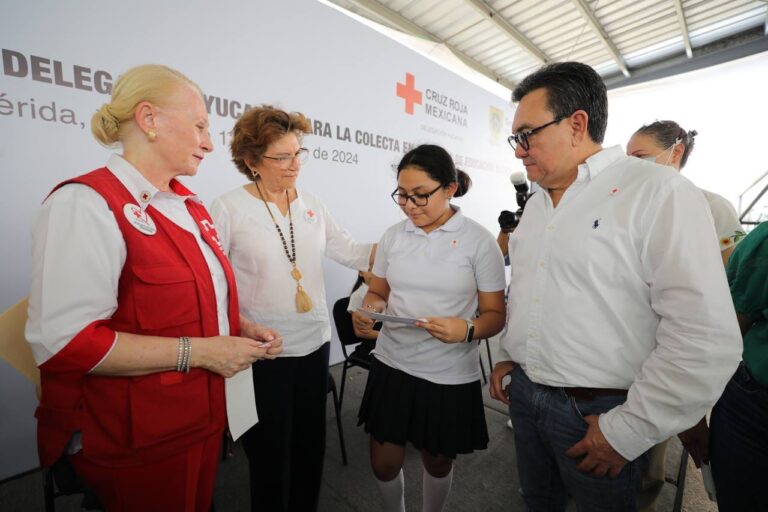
[(709, 482), (241, 402), (389, 318)]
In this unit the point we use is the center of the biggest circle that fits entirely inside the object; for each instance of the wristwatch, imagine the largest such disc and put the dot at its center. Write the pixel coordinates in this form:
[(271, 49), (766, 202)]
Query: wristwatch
[(470, 331)]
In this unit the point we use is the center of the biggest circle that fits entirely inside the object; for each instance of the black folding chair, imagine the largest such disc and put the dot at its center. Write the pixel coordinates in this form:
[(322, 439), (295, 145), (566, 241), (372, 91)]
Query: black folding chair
[(337, 408), (361, 355), (490, 361)]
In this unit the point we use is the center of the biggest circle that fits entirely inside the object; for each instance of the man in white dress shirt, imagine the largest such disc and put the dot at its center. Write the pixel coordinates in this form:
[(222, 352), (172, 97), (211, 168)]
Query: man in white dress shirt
[(620, 327)]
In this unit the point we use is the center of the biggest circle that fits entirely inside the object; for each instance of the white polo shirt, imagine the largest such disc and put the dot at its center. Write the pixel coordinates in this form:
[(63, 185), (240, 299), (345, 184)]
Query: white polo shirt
[(435, 274)]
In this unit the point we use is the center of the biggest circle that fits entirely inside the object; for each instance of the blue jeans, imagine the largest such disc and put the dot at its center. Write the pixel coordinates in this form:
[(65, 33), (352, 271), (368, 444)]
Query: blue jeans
[(738, 446), (547, 422)]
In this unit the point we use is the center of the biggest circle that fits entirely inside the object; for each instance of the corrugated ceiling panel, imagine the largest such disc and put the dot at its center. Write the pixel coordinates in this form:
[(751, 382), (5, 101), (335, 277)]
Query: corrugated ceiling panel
[(642, 30), (434, 16)]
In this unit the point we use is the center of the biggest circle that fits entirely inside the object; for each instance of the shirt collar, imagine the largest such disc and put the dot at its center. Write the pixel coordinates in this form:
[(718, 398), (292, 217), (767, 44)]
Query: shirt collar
[(139, 187), (598, 162), (452, 224)]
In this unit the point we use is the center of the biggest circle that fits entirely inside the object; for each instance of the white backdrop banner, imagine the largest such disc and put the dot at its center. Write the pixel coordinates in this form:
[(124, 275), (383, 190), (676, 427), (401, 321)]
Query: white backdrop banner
[(370, 100)]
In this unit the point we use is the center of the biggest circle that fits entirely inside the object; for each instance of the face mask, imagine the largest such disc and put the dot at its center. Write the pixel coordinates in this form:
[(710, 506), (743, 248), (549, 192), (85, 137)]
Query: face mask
[(671, 150)]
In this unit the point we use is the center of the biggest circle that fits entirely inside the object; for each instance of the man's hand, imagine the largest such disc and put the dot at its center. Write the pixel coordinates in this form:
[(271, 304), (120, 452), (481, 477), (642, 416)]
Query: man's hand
[(600, 458), (696, 441), (500, 371)]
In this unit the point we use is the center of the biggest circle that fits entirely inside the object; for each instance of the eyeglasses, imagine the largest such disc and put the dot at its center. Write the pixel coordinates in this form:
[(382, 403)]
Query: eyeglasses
[(285, 161), (417, 199), (521, 138)]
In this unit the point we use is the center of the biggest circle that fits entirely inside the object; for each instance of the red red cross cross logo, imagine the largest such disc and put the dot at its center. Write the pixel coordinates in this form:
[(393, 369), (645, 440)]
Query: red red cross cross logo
[(409, 93)]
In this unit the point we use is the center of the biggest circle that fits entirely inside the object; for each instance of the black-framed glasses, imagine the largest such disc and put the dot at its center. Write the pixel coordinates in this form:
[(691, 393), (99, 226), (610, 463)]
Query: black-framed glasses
[(285, 161), (417, 199), (521, 139)]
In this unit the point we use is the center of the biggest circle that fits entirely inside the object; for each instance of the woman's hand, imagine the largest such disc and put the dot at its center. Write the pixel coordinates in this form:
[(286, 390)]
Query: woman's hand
[(264, 334), (447, 330), (362, 322), (228, 355)]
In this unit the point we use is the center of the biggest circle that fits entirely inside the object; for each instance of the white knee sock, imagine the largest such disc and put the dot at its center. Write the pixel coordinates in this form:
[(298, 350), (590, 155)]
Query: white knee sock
[(392, 494), (435, 491)]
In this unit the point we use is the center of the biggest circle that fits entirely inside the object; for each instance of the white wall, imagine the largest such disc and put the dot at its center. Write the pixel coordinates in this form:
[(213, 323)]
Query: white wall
[(298, 54)]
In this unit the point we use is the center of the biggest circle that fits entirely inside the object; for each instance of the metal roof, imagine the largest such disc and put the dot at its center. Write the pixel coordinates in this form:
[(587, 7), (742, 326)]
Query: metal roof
[(508, 39)]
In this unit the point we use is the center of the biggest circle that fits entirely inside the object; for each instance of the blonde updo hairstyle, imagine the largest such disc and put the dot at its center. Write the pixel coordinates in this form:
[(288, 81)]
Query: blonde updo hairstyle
[(149, 82)]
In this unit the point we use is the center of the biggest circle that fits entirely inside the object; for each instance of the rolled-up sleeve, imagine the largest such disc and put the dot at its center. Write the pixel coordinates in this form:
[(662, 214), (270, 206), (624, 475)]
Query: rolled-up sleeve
[(698, 339), (77, 256)]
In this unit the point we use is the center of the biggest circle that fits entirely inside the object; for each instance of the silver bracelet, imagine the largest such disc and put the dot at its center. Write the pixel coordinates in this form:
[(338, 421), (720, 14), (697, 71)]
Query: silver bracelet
[(189, 355), (180, 357), (185, 352)]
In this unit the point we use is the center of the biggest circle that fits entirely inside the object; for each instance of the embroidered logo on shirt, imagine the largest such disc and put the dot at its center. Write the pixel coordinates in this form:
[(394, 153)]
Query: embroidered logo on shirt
[(454, 243), (614, 191), (596, 224), (310, 216), (139, 219)]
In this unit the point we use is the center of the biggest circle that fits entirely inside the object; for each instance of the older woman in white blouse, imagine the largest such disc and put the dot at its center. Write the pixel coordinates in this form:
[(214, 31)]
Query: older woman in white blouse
[(276, 237)]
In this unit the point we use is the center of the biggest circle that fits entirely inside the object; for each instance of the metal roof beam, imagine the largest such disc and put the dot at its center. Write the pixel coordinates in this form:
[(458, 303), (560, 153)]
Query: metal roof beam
[(403, 24), (683, 28), (590, 17), (730, 48), (507, 28)]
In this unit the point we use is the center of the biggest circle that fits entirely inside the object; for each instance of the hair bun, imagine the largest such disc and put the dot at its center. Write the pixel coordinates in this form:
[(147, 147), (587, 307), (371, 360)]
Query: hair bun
[(464, 182), (692, 134), (105, 125)]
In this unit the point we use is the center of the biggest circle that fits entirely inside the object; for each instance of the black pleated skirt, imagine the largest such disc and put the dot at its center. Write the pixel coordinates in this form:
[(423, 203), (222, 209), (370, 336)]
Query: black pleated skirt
[(443, 419)]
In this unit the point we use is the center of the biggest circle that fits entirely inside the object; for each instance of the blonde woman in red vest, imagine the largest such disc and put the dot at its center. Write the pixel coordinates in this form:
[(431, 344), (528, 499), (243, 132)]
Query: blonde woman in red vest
[(133, 315)]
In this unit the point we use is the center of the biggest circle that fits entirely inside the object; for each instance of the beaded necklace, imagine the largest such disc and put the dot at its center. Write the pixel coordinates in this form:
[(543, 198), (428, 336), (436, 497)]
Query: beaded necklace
[(303, 300)]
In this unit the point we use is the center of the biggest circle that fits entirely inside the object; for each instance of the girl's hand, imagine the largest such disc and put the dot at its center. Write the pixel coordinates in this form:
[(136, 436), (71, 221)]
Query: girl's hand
[(447, 330)]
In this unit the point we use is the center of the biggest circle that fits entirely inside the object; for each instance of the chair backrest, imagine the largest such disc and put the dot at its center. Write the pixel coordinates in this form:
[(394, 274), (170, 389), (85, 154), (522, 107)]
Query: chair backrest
[(343, 320)]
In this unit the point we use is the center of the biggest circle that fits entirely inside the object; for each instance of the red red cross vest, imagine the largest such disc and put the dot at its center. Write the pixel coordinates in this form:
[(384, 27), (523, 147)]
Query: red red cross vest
[(165, 289)]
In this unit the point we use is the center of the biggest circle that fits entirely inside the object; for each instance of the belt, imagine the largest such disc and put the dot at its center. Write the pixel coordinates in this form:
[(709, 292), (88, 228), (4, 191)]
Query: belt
[(589, 394)]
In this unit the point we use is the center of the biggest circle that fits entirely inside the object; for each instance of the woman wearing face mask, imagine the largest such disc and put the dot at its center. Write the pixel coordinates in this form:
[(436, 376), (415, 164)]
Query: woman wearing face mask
[(424, 384), (666, 143)]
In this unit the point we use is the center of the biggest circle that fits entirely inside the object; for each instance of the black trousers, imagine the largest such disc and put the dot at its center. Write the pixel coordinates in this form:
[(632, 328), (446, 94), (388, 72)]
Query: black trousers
[(286, 447)]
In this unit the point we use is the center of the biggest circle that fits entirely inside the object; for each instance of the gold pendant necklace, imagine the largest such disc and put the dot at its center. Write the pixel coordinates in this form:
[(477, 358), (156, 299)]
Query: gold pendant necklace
[(303, 300)]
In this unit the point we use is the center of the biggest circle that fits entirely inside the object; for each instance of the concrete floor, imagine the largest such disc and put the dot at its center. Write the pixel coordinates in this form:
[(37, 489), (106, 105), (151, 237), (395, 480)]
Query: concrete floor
[(483, 481)]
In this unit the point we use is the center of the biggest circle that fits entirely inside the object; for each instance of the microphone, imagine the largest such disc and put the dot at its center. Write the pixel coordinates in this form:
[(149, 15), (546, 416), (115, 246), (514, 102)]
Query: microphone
[(521, 187)]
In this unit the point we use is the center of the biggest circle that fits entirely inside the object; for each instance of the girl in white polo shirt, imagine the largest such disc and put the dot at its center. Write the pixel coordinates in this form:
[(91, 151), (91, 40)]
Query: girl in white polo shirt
[(424, 384)]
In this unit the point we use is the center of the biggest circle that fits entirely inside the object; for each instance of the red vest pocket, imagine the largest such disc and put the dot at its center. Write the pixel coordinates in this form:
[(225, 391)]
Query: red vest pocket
[(162, 296), (162, 411)]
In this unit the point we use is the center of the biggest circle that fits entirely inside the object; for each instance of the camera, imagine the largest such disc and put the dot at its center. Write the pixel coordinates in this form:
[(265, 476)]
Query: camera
[(508, 220)]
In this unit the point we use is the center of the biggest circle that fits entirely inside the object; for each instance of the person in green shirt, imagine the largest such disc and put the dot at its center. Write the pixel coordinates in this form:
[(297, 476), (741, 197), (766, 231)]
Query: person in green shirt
[(739, 423)]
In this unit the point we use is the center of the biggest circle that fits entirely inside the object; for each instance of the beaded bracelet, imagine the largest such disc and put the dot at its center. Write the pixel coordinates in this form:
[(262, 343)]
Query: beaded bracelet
[(185, 355), (180, 357)]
